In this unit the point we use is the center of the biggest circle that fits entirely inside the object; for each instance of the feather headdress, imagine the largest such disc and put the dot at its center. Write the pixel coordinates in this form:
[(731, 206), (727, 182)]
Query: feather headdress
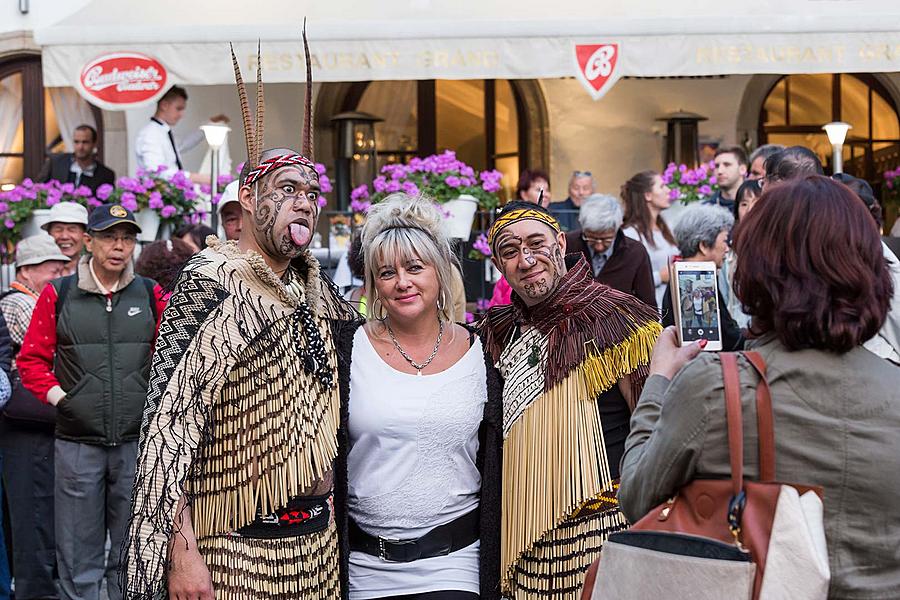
[(254, 133)]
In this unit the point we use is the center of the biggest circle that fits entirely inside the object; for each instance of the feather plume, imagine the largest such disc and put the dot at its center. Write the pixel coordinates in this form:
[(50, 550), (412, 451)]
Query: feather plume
[(260, 107), (245, 109), (307, 148)]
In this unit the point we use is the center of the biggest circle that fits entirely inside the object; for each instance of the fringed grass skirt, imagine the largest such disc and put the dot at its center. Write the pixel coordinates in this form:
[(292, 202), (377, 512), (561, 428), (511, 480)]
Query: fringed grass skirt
[(274, 569), (556, 566)]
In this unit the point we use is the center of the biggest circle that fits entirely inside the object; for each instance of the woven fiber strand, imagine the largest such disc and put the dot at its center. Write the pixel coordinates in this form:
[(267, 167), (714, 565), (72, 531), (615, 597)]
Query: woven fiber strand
[(555, 566), (274, 435), (554, 460), (274, 569)]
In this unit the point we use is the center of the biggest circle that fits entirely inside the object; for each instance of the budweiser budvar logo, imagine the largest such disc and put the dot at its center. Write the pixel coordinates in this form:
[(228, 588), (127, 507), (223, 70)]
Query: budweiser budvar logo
[(123, 79)]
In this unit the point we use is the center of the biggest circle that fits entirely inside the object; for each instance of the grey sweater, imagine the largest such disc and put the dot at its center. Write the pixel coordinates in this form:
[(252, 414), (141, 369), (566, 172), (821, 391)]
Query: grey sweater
[(837, 425)]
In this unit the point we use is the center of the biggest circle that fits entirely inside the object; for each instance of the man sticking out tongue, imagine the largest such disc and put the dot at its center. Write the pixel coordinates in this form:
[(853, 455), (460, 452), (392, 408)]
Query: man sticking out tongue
[(233, 485)]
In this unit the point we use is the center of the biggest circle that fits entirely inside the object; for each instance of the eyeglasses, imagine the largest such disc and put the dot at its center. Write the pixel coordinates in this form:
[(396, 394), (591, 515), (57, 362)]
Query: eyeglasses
[(581, 174), (108, 238), (605, 240)]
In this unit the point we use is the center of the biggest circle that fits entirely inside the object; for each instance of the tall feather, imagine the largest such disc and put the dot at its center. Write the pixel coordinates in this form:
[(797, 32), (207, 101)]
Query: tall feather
[(307, 148), (245, 109), (260, 106)]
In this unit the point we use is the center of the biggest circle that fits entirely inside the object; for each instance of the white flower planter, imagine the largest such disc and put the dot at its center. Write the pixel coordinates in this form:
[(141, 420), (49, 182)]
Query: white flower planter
[(462, 214), (148, 220), (33, 225)]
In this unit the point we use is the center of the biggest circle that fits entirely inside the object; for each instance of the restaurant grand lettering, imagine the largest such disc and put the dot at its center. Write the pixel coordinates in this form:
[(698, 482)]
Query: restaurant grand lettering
[(286, 61)]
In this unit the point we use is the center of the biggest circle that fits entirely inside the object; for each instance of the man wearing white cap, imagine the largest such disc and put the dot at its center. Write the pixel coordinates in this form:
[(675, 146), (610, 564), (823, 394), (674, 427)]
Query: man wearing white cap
[(26, 430), (67, 224), (230, 212)]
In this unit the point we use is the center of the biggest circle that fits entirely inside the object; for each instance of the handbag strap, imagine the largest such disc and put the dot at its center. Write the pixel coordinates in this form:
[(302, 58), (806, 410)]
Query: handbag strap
[(765, 421), (734, 419)]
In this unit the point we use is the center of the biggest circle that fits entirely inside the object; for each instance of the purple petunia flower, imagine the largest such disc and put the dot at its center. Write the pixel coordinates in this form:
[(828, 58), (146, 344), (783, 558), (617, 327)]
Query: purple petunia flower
[(168, 211), (360, 206), (128, 201), (156, 201), (104, 191), (704, 190), (325, 183), (320, 169), (9, 223), (410, 188), (674, 194), (359, 193), (453, 181)]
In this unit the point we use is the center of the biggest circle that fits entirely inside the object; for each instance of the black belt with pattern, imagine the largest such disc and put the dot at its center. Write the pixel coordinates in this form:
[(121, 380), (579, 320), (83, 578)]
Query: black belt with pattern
[(302, 516)]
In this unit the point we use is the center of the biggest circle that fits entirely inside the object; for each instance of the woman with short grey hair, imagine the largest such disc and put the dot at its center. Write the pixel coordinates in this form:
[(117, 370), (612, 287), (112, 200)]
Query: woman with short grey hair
[(702, 236), (702, 225)]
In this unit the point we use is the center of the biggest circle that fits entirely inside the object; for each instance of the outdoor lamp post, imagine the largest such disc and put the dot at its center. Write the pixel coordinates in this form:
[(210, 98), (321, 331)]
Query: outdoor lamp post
[(682, 137), (356, 153), (215, 137), (837, 133)]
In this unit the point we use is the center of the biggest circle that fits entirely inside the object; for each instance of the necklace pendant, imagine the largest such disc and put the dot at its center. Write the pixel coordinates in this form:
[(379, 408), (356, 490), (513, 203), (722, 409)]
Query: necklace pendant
[(419, 372)]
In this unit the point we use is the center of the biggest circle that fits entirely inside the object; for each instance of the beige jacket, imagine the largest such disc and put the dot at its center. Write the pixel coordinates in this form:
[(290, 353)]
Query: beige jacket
[(837, 425)]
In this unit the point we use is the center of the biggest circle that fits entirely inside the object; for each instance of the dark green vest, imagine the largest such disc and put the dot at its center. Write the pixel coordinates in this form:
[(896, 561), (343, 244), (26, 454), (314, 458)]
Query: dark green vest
[(103, 361)]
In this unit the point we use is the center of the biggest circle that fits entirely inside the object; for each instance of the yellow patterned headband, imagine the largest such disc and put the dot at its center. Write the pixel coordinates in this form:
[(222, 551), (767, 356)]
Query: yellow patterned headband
[(519, 214)]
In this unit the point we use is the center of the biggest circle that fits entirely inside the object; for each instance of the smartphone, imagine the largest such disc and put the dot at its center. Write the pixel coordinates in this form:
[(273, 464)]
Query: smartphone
[(695, 302)]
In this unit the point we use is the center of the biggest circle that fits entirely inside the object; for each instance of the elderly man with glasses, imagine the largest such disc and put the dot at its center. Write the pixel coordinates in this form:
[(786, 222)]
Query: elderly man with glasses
[(616, 260)]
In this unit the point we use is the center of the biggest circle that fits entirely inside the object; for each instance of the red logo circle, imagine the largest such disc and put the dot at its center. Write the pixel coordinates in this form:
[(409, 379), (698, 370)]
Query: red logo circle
[(123, 78)]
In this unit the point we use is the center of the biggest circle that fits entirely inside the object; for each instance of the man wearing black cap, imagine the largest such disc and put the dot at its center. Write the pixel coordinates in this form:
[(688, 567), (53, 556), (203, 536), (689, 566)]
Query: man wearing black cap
[(87, 352)]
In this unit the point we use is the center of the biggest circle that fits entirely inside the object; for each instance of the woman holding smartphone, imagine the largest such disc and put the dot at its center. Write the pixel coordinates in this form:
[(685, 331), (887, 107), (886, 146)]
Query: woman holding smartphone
[(702, 233)]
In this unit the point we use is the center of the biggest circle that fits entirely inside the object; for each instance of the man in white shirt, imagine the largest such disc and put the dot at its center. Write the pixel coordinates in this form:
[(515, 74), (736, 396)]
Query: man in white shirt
[(155, 145)]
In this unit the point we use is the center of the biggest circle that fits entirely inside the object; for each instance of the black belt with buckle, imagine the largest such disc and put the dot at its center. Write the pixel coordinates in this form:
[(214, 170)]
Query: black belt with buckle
[(302, 516), (440, 541)]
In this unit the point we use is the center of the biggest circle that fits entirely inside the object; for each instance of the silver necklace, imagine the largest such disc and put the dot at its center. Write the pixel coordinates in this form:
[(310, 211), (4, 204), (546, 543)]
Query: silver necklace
[(418, 367)]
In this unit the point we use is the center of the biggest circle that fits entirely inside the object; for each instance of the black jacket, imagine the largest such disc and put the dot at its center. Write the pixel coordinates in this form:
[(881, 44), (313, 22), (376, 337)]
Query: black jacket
[(627, 270), (6, 354), (56, 167), (490, 462)]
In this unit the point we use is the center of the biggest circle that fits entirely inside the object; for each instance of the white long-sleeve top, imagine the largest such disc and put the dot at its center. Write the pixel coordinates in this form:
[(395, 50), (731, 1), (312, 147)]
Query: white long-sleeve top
[(153, 147)]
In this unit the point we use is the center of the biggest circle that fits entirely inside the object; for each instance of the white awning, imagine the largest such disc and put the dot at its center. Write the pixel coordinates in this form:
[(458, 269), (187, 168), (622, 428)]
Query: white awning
[(476, 39)]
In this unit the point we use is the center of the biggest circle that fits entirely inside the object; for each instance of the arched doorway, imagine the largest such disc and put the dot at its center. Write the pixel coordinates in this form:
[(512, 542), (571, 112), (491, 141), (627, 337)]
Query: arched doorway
[(796, 106), (491, 124), (30, 118)]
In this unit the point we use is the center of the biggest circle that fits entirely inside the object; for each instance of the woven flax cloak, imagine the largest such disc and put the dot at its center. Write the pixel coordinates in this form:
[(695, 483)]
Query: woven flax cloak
[(558, 499), (235, 420)]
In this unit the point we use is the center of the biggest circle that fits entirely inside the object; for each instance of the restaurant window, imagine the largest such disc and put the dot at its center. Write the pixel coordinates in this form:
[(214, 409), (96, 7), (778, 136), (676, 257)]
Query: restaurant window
[(30, 119), (798, 105), (479, 119)]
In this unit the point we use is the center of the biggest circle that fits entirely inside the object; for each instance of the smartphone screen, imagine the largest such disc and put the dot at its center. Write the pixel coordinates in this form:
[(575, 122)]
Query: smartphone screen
[(698, 305)]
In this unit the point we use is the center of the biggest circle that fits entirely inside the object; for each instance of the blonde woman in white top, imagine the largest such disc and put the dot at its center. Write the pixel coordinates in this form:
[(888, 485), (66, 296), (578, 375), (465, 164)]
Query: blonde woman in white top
[(644, 197), (415, 431)]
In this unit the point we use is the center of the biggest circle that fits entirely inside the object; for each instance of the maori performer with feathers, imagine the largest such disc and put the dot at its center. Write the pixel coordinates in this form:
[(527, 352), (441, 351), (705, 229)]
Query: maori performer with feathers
[(574, 355), (233, 489)]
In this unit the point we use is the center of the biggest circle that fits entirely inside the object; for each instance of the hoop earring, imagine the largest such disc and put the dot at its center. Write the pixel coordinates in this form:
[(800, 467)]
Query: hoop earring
[(441, 302), (375, 310)]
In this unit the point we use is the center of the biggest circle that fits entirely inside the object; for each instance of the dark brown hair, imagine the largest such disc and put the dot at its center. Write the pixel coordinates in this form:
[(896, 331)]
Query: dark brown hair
[(739, 154), (811, 269), (163, 260), (527, 178), (176, 91), (637, 214)]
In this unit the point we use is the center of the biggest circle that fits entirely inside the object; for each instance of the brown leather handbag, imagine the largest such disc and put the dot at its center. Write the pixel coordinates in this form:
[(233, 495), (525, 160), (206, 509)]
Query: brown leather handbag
[(723, 538)]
